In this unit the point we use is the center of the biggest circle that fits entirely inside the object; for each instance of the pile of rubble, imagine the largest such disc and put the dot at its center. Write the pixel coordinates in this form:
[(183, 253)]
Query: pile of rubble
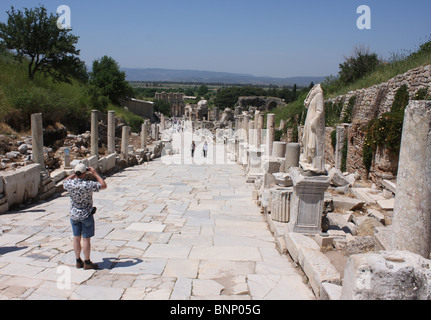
[(354, 210), (355, 213), (16, 151)]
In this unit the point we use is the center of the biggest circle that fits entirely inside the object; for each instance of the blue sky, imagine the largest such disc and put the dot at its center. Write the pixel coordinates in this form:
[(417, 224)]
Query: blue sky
[(279, 38)]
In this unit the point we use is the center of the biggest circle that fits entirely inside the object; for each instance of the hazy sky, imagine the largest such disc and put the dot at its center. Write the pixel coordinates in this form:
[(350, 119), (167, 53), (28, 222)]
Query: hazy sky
[(279, 38)]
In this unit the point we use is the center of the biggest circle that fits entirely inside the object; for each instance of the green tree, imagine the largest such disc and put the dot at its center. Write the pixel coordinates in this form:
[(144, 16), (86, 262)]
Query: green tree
[(189, 92), (228, 97), (202, 91), (108, 81), (34, 35), (163, 107), (293, 97), (361, 63)]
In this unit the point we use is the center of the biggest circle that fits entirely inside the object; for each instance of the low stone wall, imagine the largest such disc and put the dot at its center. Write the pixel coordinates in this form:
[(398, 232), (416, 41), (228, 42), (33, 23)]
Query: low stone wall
[(19, 186), (139, 107)]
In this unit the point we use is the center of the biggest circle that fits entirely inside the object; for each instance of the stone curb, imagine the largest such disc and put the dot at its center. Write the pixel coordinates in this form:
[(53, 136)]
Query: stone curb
[(323, 278)]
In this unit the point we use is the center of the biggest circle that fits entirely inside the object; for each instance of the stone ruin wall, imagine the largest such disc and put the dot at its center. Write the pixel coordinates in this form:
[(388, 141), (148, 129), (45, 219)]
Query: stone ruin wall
[(371, 103), (261, 103)]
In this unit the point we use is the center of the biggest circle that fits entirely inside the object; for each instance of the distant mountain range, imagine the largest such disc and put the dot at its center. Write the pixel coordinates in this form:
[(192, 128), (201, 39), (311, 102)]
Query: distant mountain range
[(171, 75)]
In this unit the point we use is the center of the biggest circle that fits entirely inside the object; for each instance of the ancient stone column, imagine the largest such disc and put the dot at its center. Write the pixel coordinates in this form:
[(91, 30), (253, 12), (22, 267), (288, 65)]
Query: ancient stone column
[(270, 126), (111, 132), (37, 139), (259, 130), (251, 140), (153, 131), (162, 122), (144, 134), (411, 225), (256, 118), (94, 133), (256, 124), (245, 128), (238, 127), (156, 132), (125, 142), (292, 155)]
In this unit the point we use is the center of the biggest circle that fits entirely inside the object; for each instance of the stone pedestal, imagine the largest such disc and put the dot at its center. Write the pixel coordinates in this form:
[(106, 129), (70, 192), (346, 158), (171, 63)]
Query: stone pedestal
[(306, 205), (254, 164), (280, 204), (411, 223)]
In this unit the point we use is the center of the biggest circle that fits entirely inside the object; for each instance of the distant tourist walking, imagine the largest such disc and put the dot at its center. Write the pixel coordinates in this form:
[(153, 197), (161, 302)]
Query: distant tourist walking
[(205, 149), (82, 211), (193, 149)]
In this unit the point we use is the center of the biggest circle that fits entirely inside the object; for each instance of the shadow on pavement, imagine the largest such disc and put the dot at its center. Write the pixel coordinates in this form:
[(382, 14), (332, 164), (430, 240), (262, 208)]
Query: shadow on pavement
[(5, 250), (111, 263)]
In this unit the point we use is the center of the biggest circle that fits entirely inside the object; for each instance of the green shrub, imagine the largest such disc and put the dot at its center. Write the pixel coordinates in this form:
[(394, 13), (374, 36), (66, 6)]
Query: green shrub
[(422, 94), (334, 139), (130, 119), (35, 100), (401, 99), (332, 113), (277, 135), (347, 116)]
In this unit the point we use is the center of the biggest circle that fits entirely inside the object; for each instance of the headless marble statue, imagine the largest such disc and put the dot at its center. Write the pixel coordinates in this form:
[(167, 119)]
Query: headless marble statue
[(313, 154)]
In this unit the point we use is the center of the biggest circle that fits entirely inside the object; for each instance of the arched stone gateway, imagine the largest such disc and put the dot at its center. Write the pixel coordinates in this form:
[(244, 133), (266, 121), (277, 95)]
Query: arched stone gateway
[(259, 103)]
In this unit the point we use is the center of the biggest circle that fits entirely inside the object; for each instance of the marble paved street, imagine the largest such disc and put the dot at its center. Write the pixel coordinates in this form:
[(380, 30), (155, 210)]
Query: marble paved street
[(163, 231)]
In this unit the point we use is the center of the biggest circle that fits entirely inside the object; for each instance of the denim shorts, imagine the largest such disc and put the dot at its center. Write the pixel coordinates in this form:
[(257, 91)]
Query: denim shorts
[(84, 228)]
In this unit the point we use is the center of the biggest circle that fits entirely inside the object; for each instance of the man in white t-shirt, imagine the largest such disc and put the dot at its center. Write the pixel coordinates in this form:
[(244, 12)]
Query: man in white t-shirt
[(82, 211)]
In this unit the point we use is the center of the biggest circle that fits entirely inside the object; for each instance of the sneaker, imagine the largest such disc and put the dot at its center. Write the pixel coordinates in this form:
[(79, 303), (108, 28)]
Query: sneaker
[(79, 264), (90, 266)]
